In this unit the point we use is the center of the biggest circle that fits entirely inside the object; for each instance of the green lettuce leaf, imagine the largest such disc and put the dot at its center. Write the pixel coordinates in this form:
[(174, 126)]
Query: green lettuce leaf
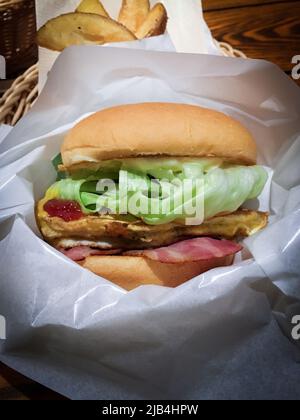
[(56, 162), (224, 187)]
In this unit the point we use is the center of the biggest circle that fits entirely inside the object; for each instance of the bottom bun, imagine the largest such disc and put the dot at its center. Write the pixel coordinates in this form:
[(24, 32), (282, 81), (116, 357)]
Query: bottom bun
[(131, 272)]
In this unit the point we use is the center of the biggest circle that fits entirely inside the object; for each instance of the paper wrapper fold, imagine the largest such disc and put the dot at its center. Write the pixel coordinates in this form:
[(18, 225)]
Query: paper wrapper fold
[(224, 334), (186, 32)]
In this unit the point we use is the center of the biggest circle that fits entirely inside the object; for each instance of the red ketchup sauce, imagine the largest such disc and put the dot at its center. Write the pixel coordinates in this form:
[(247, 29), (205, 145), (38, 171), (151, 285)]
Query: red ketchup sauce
[(65, 209)]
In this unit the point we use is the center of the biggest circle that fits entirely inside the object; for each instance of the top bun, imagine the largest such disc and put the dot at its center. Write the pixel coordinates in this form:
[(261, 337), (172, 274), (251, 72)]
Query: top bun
[(157, 129)]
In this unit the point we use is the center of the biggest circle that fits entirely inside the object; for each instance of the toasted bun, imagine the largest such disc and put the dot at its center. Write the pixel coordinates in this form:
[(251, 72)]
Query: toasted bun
[(131, 272), (157, 129)]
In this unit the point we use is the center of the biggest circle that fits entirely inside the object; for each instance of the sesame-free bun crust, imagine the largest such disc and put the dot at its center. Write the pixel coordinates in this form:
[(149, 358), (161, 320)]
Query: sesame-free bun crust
[(157, 129), (131, 272)]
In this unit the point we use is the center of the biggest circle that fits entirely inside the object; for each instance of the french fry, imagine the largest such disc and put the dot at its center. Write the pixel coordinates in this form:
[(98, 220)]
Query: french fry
[(133, 13), (155, 23), (92, 6), (81, 29)]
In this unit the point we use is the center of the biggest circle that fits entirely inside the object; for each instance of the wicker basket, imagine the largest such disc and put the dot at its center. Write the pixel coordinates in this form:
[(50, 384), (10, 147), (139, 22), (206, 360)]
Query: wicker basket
[(17, 35), (18, 99)]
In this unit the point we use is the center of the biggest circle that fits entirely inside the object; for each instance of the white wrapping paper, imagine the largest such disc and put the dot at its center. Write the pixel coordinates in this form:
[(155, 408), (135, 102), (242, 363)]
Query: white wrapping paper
[(224, 334), (186, 31)]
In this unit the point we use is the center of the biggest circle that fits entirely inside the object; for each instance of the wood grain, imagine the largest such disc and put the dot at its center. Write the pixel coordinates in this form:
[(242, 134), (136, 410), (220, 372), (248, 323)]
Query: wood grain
[(226, 4), (270, 32)]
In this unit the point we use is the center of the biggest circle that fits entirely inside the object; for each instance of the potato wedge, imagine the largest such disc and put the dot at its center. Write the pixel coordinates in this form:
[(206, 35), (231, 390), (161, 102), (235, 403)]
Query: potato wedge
[(155, 23), (81, 29), (92, 6), (133, 13)]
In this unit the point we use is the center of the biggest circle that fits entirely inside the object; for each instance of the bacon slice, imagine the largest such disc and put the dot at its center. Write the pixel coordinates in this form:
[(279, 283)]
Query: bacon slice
[(191, 250), (79, 253)]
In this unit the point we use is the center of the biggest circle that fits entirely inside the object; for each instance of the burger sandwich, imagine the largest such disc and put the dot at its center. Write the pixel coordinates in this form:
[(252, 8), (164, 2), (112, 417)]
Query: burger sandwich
[(153, 193)]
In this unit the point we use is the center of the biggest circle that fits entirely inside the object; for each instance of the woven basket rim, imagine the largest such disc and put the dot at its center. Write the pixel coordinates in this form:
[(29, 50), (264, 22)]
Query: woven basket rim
[(7, 4), (4, 3)]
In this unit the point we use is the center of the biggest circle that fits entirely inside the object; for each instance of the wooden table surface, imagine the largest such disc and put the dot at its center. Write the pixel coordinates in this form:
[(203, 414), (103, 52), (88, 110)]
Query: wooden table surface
[(268, 29), (264, 29)]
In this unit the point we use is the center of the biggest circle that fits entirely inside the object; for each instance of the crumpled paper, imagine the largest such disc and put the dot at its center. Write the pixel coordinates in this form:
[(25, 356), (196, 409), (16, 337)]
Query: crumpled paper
[(186, 32), (225, 334)]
